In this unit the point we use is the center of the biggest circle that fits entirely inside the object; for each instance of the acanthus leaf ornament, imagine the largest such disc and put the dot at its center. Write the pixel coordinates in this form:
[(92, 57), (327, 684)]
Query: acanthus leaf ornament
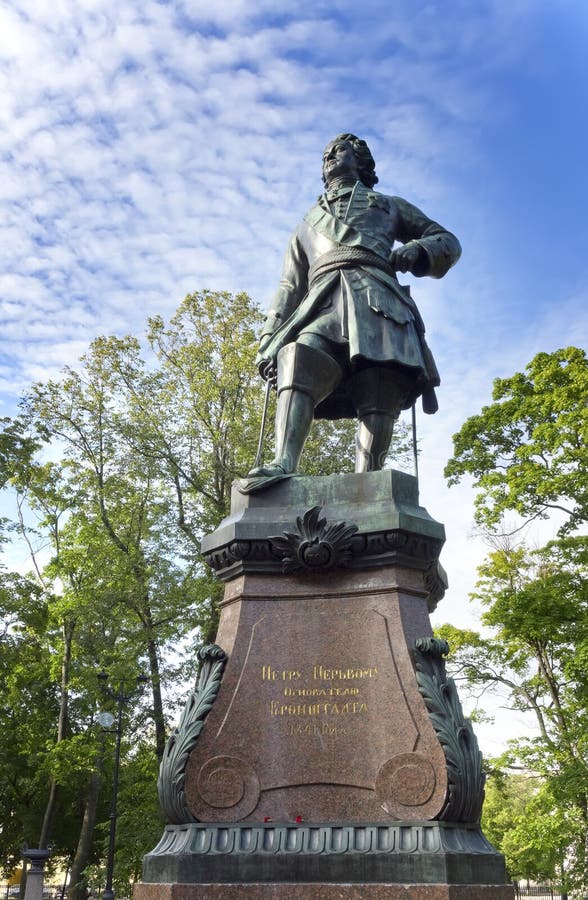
[(171, 780), (317, 545), (465, 794)]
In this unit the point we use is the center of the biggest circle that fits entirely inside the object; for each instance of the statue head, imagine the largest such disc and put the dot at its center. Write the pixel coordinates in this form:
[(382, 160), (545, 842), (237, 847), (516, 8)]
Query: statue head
[(364, 161)]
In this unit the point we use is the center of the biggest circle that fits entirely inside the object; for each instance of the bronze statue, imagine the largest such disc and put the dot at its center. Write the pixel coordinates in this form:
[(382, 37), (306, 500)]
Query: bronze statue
[(343, 338)]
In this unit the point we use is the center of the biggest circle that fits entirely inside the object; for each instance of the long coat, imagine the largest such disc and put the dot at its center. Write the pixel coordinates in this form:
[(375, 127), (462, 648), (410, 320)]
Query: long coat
[(360, 303)]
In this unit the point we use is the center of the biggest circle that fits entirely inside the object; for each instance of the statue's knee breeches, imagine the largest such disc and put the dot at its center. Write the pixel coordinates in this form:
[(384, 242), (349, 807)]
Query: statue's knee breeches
[(379, 390), (309, 370)]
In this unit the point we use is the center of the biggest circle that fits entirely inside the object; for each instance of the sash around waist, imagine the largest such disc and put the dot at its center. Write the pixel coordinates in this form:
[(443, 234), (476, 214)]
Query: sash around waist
[(346, 258)]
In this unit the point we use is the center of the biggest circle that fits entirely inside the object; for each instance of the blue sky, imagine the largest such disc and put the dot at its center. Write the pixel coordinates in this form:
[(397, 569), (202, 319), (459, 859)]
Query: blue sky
[(148, 149)]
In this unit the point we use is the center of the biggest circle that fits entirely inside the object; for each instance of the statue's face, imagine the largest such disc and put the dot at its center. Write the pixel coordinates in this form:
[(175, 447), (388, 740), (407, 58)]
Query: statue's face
[(339, 160)]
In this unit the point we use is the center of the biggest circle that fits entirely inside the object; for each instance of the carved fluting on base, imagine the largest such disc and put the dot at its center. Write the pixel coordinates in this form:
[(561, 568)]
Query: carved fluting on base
[(171, 781), (396, 837), (464, 760), (422, 852)]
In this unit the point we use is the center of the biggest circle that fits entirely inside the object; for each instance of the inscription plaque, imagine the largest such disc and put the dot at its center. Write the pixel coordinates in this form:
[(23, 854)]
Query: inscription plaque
[(318, 708)]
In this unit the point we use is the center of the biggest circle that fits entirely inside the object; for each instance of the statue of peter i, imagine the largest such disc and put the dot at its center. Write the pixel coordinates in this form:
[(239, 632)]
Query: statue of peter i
[(343, 338)]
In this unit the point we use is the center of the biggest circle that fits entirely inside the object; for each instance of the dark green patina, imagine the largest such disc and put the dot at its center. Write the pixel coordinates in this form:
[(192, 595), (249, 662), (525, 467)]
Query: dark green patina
[(353, 853), (172, 772), (456, 735), (344, 338)]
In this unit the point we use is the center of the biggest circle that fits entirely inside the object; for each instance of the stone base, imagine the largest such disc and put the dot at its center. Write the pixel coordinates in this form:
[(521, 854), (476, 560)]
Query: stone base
[(392, 529), (321, 714), (308, 891), (398, 853), (324, 753)]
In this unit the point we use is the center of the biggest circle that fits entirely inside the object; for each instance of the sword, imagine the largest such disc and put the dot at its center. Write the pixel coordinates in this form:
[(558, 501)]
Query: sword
[(415, 452), (259, 455)]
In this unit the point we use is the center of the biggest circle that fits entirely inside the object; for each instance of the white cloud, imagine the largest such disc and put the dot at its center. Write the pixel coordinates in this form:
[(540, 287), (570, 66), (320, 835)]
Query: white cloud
[(150, 149)]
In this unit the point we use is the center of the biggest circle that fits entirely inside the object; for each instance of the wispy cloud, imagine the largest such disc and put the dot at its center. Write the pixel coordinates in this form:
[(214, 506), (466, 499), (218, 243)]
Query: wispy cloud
[(149, 149)]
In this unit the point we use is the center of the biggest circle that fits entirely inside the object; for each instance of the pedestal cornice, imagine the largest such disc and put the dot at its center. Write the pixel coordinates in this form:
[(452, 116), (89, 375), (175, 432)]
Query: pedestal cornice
[(314, 525)]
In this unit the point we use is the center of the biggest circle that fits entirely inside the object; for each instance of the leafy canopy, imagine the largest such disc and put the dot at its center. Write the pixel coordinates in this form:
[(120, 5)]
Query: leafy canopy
[(528, 450)]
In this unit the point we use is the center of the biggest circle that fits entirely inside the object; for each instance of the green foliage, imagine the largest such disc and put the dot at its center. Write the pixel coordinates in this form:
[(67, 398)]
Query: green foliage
[(532, 653), (330, 448), (527, 453), (524, 819), (139, 824), (200, 412), (118, 469), (28, 710), (143, 472), (16, 448), (528, 450), (506, 806)]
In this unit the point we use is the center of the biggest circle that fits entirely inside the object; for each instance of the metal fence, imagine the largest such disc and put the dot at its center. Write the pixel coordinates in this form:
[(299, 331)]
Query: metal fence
[(522, 891), (49, 893), (539, 891)]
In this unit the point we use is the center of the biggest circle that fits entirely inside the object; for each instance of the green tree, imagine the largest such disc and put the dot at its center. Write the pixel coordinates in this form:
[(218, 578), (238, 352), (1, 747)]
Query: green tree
[(27, 713), (148, 454), (528, 450), (533, 653), (119, 520), (524, 820), (16, 448), (199, 414), (145, 442), (527, 455)]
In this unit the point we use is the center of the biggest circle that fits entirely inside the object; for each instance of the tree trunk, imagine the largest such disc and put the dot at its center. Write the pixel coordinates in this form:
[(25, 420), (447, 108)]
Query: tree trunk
[(62, 729), (77, 884), (158, 717), (48, 817)]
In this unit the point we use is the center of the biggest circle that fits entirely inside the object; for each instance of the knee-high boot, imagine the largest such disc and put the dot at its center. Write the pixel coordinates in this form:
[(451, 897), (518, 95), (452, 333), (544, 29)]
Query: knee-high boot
[(294, 417), (379, 394), (306, 376), (372, 441)]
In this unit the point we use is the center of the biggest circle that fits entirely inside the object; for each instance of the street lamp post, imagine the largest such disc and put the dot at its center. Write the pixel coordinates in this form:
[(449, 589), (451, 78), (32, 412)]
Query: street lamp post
[(107, 720)]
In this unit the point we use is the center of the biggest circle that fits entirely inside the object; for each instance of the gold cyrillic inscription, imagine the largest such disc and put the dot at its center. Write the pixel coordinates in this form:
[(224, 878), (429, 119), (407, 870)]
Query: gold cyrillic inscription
[(320, 672), (320, 691), (312, 728), (317, 709), (269, 674)]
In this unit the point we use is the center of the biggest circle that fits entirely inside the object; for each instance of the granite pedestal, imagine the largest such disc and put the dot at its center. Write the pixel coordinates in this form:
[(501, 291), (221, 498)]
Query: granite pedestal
[(324, 750)]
